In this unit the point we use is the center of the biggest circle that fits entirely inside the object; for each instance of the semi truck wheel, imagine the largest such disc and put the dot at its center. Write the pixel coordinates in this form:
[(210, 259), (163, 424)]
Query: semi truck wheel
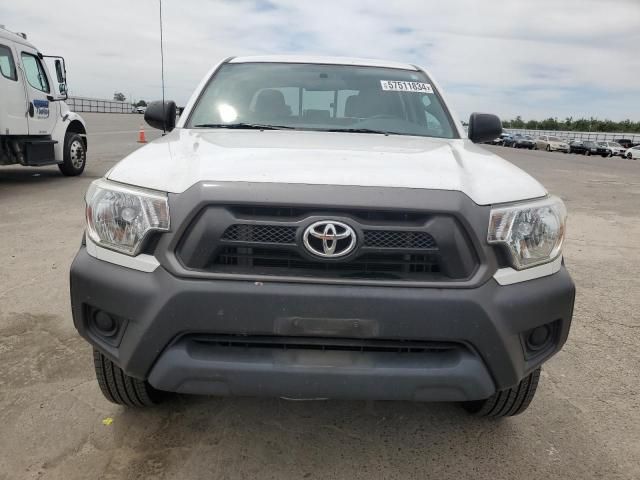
[(75, 155), (509, 402), (120, 388)]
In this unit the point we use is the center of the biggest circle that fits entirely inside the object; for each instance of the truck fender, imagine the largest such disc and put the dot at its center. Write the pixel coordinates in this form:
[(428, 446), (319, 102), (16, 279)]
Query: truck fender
[(70, 122)]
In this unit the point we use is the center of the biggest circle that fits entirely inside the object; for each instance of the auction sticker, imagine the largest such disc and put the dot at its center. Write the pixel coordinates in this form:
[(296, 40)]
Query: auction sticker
[(402, 86)]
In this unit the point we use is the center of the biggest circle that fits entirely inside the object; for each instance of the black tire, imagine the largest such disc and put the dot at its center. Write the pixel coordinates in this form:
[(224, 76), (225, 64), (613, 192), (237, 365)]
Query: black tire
[(629, 156), (75, 155), (120, 388), (587, 153), (548, 148), (509, 402)]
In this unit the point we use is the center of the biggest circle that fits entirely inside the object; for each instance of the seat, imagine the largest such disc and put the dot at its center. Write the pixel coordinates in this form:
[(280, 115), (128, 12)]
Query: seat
[(371, 103), (270, 103)]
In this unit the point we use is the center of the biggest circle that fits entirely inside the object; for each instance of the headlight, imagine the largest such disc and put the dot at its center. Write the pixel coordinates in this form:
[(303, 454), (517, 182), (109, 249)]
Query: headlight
[(532, 232), (119, 217)]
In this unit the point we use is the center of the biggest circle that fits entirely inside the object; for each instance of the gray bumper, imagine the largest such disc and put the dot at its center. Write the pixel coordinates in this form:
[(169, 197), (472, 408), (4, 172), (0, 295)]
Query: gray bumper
[(166, 318)]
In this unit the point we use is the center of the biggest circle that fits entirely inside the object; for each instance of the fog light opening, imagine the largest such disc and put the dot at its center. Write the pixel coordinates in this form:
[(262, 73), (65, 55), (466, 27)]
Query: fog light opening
[(538, 338), (105, 324)]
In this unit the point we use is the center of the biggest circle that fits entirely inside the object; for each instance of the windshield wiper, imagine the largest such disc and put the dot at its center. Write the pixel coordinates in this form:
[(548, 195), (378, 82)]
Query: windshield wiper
[(357, 130), (243, 126)]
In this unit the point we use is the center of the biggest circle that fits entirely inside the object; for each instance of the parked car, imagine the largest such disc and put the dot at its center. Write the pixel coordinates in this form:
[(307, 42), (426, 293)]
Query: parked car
[(367, 250), (501, 139), (524, 141), (596, 148), (141, 109), (616, 148), (577, 146), (551, 144), (626, 143), (633, 153)]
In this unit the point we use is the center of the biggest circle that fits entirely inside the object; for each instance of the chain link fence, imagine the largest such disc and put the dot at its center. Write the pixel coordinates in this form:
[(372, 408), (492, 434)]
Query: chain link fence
[(593, 136), (97, 105)]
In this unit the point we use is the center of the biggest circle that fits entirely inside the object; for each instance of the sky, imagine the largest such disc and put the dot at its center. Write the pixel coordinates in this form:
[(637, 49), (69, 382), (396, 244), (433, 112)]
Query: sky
[(534, 58)]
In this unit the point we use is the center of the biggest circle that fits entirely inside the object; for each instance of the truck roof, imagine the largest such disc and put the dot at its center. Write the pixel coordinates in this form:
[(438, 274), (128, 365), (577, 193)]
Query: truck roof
[(14, 37), (364, 62)]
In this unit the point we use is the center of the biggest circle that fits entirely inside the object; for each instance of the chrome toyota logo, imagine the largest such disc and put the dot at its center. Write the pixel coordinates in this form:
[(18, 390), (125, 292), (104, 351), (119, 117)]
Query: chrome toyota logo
[(329, 239)]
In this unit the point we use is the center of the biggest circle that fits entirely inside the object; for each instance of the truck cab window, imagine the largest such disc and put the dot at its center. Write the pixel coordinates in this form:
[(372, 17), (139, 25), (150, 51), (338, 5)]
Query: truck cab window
[(35, 73), (7, 65)]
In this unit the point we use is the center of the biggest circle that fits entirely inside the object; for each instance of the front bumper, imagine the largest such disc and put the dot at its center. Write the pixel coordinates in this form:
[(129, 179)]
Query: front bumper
[(166, 321)]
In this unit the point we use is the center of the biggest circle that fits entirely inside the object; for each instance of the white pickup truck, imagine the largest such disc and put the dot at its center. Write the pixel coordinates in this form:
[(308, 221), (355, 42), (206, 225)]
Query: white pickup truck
[(36, 126), (321, 228)]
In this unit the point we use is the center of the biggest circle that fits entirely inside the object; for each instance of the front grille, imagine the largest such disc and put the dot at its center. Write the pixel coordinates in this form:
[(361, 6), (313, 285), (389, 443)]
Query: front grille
[(395, 239), (286, 235), (260, 234), (274, 261), (266, 240), (325, 344)]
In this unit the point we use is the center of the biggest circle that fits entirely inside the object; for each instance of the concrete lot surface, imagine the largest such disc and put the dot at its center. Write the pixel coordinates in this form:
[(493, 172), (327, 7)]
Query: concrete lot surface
[(584, 422)]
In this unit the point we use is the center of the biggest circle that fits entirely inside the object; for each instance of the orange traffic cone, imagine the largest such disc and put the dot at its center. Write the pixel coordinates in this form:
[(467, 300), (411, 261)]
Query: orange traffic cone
[(141, 137)]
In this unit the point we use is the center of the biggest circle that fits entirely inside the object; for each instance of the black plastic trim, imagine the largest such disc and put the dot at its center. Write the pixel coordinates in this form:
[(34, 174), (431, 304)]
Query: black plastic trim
[(470, 239)]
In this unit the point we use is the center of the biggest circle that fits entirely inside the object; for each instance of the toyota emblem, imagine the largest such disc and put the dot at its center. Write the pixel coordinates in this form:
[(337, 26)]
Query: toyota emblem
[(329, 239)]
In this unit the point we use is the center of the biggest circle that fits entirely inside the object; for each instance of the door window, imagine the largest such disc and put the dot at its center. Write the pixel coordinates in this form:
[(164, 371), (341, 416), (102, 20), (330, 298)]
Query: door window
[(7, 65), (34, 72)]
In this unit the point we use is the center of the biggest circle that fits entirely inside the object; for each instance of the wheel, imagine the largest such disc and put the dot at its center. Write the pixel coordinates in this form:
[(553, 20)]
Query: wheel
[(509, 402), (120, 388), (587, 153), (75, 155), (548, 148), (629, 156)]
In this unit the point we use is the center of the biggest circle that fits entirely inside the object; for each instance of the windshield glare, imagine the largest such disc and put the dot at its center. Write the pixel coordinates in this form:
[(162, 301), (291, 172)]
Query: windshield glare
[(322, 97), (554, 139)]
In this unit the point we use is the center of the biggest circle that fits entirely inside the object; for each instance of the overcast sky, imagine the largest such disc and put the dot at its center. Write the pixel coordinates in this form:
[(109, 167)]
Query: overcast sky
[(511, 57)]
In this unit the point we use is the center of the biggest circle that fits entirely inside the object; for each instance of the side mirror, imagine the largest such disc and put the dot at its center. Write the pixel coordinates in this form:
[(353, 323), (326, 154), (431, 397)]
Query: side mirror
[(61, 76), (59, 71), (161, 116), (484, 127)]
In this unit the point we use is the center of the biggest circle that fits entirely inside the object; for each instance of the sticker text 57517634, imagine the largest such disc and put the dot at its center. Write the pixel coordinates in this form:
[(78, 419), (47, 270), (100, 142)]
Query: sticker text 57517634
[(403, 86)]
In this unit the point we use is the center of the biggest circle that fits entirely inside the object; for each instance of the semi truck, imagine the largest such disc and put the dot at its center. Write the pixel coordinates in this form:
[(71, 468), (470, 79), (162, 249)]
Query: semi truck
[(37, 128)]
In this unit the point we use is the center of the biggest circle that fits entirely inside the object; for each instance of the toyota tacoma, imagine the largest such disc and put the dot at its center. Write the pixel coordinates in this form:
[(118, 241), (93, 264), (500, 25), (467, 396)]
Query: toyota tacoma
[(317, 228)]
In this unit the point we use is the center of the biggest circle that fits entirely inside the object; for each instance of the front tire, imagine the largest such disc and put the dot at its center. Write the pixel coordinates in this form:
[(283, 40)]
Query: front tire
[(120, 388), (509, 402), (548, 148), (75, 155)]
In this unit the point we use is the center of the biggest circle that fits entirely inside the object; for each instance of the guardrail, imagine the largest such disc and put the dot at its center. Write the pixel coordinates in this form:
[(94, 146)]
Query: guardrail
[(97, 105), (594, 136)]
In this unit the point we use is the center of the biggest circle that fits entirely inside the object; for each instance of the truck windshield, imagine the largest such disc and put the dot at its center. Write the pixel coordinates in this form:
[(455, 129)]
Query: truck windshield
[(322, 97)]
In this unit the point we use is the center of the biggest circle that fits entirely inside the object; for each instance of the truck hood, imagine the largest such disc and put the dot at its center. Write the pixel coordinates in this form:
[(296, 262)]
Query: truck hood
[(188, 156)]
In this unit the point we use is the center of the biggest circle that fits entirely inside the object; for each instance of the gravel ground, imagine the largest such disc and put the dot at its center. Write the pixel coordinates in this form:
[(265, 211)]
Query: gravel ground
[(584, 422)]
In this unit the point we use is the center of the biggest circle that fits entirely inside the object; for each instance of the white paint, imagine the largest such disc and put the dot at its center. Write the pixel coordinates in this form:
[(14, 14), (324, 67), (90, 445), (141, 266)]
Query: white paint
[(360, 62), (141, 262), (187, 156), (509, 276)]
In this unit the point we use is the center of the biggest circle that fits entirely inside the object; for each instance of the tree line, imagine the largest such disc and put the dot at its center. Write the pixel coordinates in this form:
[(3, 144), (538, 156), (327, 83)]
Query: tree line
[(120, 97), (570, 125)]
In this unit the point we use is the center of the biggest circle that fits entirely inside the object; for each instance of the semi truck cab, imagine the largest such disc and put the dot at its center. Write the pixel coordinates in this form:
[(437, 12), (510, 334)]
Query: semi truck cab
[(37, 127)]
